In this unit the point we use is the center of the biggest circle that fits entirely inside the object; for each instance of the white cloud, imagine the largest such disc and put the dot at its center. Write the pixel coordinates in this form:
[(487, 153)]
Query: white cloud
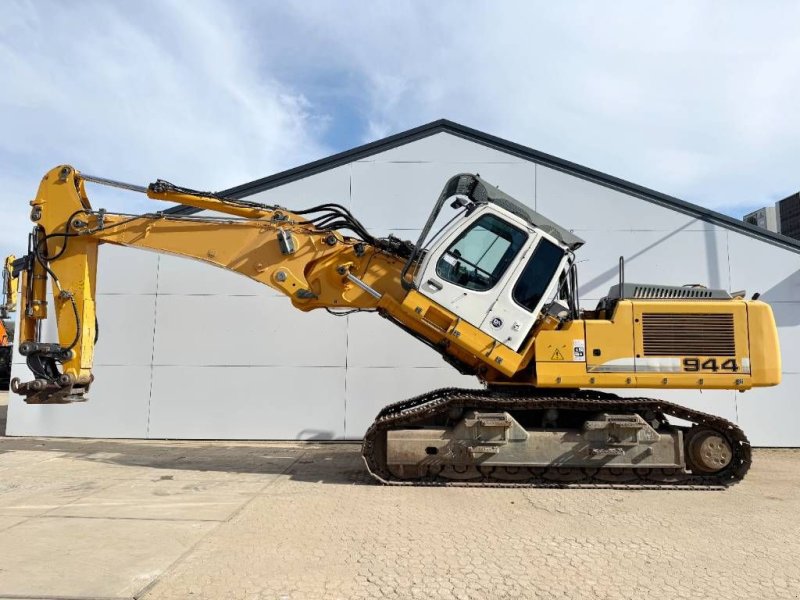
[(692, 98), (171, 90)]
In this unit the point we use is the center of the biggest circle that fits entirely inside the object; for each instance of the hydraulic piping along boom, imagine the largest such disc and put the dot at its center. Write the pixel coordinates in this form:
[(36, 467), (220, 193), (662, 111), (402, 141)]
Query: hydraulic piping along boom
[(503, 340), (494, 292), (303, 256)]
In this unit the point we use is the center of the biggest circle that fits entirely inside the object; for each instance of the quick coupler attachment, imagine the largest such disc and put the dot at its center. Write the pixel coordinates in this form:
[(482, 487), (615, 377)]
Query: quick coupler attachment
[(49, 386), (42, 391)]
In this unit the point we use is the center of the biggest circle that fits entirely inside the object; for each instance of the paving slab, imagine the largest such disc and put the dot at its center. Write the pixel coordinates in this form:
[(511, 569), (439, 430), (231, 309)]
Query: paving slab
[(163, 499), (166, 520), (105, 518), (32, 496), (6, 521), (25, 458), (320, 532), (107, 558), (138, 459)]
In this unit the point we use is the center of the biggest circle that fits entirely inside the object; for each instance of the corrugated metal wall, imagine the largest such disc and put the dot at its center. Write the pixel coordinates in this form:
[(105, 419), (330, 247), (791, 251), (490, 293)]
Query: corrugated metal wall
[(188, 351)]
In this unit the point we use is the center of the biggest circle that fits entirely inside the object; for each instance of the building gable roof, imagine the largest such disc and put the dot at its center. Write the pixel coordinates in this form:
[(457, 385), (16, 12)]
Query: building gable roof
[(512, 148)]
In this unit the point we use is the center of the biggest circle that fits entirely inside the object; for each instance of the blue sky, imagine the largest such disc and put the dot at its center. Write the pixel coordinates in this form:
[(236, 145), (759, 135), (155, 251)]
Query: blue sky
[(695, 99)]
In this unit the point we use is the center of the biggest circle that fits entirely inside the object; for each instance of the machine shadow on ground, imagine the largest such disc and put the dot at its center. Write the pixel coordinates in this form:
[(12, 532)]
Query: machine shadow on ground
[(331, 462)]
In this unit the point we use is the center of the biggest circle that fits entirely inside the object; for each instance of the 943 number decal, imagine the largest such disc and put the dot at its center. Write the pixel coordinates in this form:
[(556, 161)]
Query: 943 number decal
[(710, 364)]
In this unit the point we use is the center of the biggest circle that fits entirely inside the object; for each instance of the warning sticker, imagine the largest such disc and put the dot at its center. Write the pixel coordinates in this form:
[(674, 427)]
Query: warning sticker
[(557, 355), (579, 350)]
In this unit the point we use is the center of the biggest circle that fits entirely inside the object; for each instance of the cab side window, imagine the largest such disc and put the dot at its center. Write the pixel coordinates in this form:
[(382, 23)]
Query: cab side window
[(537, 274), (481, 255)]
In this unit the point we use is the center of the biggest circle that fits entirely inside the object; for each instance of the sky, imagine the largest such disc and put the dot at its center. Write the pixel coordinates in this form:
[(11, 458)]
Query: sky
[(694, 99)]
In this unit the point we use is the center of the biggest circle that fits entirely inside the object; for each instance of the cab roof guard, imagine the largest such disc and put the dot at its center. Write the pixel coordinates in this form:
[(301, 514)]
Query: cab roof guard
[(480, 191)]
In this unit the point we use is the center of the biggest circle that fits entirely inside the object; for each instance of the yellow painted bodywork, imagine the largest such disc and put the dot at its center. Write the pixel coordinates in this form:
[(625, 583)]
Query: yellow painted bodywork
[(10, 287), (315, 276), (765, 356), (620, 339)]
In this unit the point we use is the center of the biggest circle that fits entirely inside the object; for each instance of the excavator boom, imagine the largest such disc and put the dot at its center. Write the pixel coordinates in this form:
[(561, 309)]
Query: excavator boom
[(494, 292)]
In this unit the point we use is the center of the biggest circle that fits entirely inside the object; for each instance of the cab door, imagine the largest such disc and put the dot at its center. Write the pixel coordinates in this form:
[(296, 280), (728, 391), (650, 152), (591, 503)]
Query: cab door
[(533, 281), (467, 270)]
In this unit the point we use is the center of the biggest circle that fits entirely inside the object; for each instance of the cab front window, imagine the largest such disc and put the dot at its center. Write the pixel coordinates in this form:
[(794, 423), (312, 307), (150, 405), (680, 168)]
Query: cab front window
[(482, 254)]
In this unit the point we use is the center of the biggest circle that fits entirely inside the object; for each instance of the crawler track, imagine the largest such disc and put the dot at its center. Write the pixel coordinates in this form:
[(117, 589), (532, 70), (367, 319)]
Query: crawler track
[(420, 409)]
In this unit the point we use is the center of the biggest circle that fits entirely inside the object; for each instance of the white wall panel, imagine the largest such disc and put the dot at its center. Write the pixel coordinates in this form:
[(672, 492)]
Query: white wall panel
[(576, 203), (117, 407), (760, 267), (329, 186), (444, 148), (247, 403), (231, 358), (670, 258), (787, 317), (245, 330), (389, 195), (769, 416), (125, 270), (370, 389), (185, 276), (129, 340), (375, 342), (126, 340)]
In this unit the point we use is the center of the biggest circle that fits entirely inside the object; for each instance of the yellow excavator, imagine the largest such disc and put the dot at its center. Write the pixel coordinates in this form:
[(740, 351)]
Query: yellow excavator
[(494, 291), (8, 304)]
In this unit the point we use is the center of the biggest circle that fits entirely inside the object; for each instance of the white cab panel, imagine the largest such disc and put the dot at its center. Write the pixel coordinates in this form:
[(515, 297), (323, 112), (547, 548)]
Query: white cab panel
[(478, 249)]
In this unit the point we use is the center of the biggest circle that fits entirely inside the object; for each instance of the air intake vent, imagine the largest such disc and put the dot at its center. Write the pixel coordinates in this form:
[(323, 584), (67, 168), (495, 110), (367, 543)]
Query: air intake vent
[(647, 291), (693, 334), (670, 292)]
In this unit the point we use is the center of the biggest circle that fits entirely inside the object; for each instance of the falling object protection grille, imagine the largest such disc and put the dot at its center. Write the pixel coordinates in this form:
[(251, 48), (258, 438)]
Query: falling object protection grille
[(692, 334)]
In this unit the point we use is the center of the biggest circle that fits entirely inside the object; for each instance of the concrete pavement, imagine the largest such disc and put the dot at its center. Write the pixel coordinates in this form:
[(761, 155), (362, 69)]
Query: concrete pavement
[(164, 520)]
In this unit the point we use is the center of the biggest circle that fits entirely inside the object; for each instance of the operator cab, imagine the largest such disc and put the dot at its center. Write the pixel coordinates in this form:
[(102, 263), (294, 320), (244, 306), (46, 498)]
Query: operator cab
[(497, 263)]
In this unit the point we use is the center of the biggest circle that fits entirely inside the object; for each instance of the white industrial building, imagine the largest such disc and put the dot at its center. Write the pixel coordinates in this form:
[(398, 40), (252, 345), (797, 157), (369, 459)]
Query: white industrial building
[(190, 351)]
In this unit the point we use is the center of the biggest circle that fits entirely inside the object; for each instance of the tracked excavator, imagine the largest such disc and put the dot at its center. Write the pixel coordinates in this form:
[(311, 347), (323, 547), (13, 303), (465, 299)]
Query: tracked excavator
[(8, 304), (494, 291)]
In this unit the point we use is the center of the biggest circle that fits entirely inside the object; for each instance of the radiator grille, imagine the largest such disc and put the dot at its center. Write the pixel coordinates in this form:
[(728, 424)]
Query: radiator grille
[(693, 334)]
